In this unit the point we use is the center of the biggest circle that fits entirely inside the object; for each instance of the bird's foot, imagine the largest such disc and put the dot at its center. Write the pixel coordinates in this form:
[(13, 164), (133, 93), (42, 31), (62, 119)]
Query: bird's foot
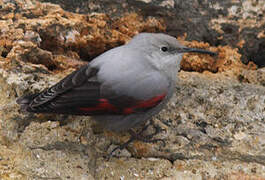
[(147, 138), (139, 136)]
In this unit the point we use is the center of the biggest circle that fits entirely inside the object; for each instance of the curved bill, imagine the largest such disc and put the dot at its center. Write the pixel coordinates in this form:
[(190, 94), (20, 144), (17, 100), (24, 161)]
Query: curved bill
[(195, 50)]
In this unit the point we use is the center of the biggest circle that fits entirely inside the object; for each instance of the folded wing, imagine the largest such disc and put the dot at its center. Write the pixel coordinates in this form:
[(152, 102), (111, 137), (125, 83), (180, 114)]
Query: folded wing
[(81, 93)]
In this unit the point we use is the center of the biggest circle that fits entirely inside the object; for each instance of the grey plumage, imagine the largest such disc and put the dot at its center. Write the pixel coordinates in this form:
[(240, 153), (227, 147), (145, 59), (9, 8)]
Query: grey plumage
[(122, 87)]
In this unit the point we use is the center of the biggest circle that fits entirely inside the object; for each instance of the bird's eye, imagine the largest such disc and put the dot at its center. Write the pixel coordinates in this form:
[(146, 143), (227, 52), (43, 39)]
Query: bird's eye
[(164, 49)]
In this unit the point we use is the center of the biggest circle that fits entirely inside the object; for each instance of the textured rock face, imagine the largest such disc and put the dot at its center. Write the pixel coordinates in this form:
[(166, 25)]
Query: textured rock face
[(239, 24), (213, 127)]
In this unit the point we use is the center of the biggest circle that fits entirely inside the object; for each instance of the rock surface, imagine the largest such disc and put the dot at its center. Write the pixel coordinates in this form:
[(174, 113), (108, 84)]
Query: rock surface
[(214, 127), (239, 24)]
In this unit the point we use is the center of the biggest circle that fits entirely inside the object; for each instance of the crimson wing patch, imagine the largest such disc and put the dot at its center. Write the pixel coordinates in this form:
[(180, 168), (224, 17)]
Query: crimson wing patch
[(144, 105), (104, 106)]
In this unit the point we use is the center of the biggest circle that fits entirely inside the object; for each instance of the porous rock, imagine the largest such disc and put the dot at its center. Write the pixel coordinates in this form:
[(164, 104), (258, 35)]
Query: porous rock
[(213, 127)]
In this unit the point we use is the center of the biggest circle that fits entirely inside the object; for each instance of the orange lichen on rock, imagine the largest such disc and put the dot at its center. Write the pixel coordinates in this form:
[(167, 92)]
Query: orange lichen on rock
[(104, 33), (227, 59), (131, 24), (46, 34), (198, 62)]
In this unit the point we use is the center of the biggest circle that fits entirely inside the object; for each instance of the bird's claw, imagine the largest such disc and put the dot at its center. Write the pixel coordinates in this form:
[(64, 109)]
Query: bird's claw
[(138, 136), (148, 138)]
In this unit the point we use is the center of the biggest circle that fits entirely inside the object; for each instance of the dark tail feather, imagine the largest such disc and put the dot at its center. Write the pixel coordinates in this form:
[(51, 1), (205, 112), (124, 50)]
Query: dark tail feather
[(24, 101)]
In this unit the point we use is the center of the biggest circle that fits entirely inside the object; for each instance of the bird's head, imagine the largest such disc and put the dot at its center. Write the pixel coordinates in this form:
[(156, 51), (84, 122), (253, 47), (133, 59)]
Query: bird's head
[(162, 50)]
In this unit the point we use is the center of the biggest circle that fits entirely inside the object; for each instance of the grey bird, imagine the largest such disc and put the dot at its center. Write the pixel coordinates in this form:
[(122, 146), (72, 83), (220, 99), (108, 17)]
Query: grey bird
[(122, 87)]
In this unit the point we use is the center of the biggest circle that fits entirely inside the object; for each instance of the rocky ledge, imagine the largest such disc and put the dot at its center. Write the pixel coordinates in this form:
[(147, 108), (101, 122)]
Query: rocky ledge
[(214, 126)]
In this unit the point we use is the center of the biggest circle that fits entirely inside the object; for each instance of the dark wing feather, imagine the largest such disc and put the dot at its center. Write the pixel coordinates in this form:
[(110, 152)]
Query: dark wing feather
[(71, 81), (79, 94), (74, 89)]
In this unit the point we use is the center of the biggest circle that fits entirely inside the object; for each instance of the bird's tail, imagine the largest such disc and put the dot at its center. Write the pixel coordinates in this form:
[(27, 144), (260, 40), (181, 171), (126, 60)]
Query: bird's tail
[(24, 101)]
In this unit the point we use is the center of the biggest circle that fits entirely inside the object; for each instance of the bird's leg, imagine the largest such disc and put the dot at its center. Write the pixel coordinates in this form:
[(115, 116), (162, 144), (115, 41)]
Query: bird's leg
[(139, 136), (63, 120), (148, 139), (121, 147)]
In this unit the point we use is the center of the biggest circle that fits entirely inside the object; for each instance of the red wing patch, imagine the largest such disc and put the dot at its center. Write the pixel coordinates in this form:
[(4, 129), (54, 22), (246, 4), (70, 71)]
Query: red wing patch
[(105, 106), (144, 104)]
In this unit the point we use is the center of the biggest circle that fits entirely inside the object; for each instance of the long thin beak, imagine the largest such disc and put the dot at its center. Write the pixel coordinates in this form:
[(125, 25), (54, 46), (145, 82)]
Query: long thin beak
[(195, 50)]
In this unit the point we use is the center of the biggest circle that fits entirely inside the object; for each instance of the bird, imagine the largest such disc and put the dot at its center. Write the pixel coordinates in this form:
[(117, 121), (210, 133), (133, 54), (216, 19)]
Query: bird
[(121, 88)]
